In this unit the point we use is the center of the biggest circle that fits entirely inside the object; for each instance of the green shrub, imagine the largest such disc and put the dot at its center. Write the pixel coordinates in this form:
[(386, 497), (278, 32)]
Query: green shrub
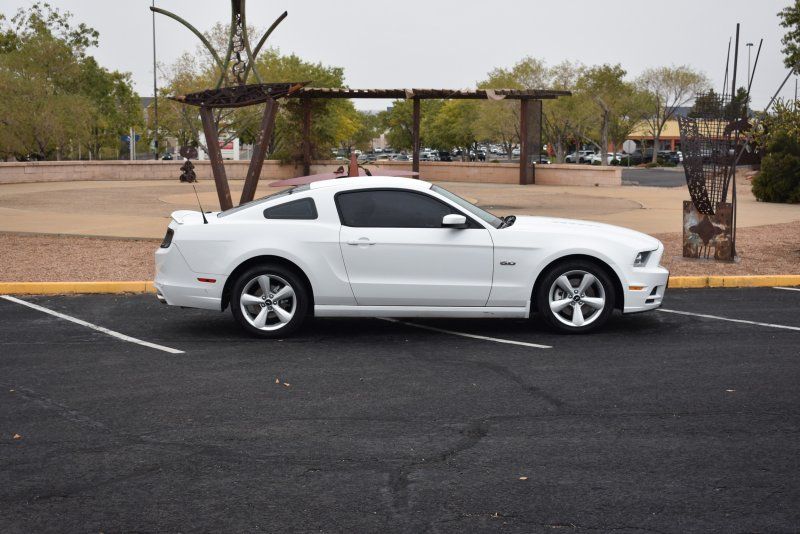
[(779, 179), (650, 165)]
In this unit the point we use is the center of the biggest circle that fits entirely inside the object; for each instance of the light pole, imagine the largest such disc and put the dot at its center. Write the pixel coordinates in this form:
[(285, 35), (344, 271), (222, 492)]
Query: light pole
[(749, 47), (155, 89)]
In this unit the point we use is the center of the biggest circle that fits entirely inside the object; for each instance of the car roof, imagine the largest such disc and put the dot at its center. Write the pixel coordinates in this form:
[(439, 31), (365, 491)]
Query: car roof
[(363, 182)]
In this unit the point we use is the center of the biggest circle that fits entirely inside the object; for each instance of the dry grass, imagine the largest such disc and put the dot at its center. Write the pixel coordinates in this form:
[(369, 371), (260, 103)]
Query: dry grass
[(771, 249)]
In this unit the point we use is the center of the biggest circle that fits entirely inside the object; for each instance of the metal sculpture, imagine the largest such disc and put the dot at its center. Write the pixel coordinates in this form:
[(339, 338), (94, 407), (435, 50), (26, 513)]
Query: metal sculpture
[(188, 175), (233, 91), (712, 140)]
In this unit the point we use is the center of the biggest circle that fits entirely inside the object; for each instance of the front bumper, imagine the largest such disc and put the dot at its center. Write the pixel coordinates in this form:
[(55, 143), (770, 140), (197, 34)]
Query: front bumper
[(645, 289), (177, 285)]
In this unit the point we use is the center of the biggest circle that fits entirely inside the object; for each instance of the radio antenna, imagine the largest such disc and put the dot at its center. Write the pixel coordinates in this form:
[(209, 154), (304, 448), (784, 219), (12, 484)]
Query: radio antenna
[(205, 221)]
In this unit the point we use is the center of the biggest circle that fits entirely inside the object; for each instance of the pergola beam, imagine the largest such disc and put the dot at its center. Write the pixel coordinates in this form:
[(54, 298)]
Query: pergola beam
[(306, 136), (530, 137), (415, 142), (215, 155), (257, 160)]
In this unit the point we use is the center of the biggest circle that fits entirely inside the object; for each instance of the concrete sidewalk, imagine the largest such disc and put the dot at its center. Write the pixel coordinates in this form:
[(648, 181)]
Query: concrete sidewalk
[(140, 209)]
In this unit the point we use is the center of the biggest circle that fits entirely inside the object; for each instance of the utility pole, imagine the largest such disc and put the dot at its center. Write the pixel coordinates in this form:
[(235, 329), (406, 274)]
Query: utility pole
[(155, 89), (749, 47)]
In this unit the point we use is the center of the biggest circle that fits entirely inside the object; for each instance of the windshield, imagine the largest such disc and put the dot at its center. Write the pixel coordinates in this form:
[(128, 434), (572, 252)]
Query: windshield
[(472, 208), (279, 194)]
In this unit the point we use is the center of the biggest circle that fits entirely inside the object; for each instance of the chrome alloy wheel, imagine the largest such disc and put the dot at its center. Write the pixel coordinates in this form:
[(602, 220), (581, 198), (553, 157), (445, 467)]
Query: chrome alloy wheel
[(577, 298), (268, 302)]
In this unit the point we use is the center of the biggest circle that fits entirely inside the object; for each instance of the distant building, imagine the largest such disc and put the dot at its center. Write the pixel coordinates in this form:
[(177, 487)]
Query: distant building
[(670, 138)]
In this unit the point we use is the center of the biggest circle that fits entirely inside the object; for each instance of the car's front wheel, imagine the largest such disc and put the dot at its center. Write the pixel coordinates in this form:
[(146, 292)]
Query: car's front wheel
[(575, 297), (270, 301)]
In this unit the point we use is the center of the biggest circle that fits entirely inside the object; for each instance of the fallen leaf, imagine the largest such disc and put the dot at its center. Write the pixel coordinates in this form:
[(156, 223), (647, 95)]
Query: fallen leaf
[(17, 436), (730, 390), (11, 391), (287, 384), (523, 478), (277, 380)]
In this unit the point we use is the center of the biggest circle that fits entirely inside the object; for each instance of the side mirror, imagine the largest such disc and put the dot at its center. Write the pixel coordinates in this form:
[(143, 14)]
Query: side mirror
[(454, 220)]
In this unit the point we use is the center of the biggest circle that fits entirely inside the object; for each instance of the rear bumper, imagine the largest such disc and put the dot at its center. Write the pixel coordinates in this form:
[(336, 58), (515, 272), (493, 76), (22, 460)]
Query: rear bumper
[(653, 284), (177, 285)]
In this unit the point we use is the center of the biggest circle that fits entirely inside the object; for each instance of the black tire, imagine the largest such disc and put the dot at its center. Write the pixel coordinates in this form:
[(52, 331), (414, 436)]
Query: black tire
[(279, 276), (550, 289)]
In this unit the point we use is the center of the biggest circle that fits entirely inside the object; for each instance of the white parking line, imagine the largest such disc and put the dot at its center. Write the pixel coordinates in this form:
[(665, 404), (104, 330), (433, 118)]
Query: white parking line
[(788, 288), (770, 325), (464, 334), (81, 322)]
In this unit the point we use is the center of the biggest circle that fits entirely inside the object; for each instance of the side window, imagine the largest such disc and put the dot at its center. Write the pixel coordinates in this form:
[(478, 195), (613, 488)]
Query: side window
[(296, 209), (391, 209)]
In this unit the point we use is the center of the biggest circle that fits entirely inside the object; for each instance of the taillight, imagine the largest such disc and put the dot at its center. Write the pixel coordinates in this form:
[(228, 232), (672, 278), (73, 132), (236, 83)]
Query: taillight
[(168, 238)]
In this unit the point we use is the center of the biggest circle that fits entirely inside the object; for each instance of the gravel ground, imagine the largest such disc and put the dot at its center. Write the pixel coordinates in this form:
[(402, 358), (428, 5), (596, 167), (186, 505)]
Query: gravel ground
[(773, 249), (52, 258)]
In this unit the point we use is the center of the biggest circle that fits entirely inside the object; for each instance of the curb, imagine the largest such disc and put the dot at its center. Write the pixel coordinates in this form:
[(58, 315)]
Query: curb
[(71, 288), (734, 281)]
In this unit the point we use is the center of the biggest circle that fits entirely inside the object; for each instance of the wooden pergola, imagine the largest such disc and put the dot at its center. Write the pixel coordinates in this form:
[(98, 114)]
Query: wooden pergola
[(270, 93), (530, 127)]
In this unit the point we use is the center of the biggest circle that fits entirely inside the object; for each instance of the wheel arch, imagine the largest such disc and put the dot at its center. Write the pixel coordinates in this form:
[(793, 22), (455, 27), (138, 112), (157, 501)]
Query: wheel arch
[(259, 260), (619, 293)]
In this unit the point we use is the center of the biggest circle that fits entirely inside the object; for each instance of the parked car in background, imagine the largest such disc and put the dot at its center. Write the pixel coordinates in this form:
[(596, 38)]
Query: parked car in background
[(668, 156), (595, 159), (397, 247), (581, 156), (167, 157)]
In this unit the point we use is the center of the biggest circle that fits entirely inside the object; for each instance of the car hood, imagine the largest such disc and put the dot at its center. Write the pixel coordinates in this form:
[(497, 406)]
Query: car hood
[(555, 225)]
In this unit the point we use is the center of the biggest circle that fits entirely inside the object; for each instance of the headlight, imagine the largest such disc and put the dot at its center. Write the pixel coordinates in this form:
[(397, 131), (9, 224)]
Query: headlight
[(641, 258), (167, 238)]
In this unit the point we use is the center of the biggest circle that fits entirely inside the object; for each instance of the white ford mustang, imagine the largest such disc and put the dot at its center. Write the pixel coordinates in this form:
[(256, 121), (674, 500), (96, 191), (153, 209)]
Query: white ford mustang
[(397, 247)]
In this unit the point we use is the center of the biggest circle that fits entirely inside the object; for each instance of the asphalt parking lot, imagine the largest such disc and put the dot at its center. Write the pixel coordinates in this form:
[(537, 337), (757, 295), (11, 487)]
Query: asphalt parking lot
[(663, 422), (659, 177)]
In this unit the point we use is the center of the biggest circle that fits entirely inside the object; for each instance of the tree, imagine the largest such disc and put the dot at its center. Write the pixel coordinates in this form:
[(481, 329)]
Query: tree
[(454, 126), (56, 98), (500, 120), (333, 121), (620, 104), (399, 125), (669, 88), (790, 19)]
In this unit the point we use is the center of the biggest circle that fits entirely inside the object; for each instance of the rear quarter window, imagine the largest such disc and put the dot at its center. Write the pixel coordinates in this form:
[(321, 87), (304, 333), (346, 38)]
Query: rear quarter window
[(302, 209)]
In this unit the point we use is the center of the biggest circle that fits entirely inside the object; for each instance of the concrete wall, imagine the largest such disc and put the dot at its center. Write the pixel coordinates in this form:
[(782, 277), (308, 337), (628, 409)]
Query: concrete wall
[(496, 173)]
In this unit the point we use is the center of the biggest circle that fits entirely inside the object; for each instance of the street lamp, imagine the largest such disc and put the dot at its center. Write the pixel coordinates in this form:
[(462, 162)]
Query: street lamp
[(155, 89)]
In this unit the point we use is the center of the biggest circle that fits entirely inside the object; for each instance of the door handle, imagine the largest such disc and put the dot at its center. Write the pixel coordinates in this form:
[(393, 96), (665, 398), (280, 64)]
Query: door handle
[(361, 241)]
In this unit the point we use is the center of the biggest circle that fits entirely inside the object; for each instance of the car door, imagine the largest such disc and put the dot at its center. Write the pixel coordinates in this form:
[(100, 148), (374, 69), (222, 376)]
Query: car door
[(397, 253)]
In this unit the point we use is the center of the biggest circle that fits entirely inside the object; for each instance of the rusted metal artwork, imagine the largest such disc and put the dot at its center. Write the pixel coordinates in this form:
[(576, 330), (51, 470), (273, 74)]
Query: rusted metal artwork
[(707, 236), (232, 91)]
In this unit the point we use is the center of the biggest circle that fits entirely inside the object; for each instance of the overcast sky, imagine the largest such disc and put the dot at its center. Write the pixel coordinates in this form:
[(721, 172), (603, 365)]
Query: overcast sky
[(454, 43)]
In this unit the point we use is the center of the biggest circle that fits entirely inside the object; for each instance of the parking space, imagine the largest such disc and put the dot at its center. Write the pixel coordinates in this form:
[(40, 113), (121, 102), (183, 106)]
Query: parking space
[(662, 421)]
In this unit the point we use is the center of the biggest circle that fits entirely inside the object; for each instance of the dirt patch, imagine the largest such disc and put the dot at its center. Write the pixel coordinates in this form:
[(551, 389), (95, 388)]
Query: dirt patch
[(39, 258), (773, 249)]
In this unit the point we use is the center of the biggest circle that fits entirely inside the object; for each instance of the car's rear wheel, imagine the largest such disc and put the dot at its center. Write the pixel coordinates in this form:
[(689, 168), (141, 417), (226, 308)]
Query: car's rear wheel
[(575, 297), (270, 301)]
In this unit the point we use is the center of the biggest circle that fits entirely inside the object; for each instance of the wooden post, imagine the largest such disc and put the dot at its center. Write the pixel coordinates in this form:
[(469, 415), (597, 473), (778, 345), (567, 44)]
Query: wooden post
[(260, 152), (306, 136), (215, 155), (530, 134), (415, 137)]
